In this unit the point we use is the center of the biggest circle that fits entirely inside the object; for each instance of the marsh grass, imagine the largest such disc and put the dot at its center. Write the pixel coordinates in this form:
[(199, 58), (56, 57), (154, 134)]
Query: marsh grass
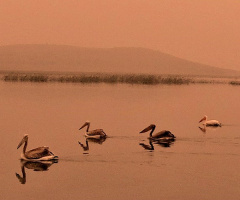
[(121, 78), (99, 78), (234, 83), (25, 78)]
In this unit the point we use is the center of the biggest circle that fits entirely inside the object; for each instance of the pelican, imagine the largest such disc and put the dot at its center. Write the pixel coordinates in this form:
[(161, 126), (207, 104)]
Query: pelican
[(162, 135), (210, 122), (38, 154), (96, 134)]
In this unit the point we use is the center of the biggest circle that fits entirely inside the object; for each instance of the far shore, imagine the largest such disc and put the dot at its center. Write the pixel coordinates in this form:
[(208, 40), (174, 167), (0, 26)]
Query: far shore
[(111, 78)]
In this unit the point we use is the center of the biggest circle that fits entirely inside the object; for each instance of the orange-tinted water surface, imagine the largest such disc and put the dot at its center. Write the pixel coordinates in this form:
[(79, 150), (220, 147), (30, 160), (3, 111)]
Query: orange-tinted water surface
[(199, 164)]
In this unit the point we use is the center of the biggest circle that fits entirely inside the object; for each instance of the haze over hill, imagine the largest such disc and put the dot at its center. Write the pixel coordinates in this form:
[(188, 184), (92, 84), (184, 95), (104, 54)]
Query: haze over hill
[(63, 58)]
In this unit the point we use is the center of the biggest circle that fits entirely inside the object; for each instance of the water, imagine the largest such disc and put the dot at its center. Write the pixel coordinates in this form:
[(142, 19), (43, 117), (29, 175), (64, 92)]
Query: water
[(198, 165)]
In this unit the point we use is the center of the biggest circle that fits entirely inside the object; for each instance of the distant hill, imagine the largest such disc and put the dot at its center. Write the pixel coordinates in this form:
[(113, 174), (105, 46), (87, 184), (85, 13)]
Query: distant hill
[(63, 58)]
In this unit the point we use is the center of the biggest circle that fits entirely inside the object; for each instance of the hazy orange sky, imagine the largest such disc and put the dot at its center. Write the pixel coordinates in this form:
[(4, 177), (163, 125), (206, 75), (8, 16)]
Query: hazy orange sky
[(206, 31)]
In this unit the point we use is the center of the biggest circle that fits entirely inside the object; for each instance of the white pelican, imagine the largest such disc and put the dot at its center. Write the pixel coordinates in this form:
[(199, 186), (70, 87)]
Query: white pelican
[(162, 135), (96, 134), (38, 154), (210, 122)]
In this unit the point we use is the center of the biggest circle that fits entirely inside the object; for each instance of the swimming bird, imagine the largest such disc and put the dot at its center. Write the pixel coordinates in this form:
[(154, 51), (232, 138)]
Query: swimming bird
[(210, 122), (162, 135), (38, 154), (96, 134)]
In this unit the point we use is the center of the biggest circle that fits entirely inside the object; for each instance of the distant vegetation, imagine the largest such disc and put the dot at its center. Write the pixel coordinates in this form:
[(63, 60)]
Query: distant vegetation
[(99, 78), (234, 83), (87, 78), (26, 78)]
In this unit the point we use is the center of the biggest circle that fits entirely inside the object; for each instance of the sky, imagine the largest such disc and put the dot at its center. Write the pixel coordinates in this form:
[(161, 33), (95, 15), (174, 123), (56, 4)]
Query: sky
[(205, 31)]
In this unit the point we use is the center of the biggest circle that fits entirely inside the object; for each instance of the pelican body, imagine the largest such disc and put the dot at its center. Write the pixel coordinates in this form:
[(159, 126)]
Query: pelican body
[(163, 135), (210, 122), (95, 134), (38, 154)]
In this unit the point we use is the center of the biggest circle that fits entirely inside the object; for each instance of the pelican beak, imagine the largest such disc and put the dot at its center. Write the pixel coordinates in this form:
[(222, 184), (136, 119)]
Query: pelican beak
[(20, 144), (202, 119), (147, 129), (85, 124)]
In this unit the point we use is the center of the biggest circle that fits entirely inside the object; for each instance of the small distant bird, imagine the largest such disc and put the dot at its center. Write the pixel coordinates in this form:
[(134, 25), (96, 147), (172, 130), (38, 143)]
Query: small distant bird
[(162, 135), (38, 154), (96, 134), (210, 122)]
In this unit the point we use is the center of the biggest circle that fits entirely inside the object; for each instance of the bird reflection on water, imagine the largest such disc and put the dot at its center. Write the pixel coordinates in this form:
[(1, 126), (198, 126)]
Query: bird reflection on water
[(162, 143), (149, 146), (85, 147), (35, 166), (204, 128)]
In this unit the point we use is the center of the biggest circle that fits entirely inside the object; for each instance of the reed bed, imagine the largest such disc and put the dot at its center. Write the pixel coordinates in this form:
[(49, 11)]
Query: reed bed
[(234, 83), (99, 78), (25, 78)]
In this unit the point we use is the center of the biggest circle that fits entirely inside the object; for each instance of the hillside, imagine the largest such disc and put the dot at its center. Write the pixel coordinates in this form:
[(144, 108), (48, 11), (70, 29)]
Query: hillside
[(114, 60)]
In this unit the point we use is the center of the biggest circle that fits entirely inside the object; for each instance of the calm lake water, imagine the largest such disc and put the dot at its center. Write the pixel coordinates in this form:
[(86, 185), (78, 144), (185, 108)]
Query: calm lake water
[(198, 165)]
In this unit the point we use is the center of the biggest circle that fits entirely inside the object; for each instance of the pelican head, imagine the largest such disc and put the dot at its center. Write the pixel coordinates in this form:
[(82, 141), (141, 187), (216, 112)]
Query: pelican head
[(203, 119), (87, 123), (25, 138), (151, 127)]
